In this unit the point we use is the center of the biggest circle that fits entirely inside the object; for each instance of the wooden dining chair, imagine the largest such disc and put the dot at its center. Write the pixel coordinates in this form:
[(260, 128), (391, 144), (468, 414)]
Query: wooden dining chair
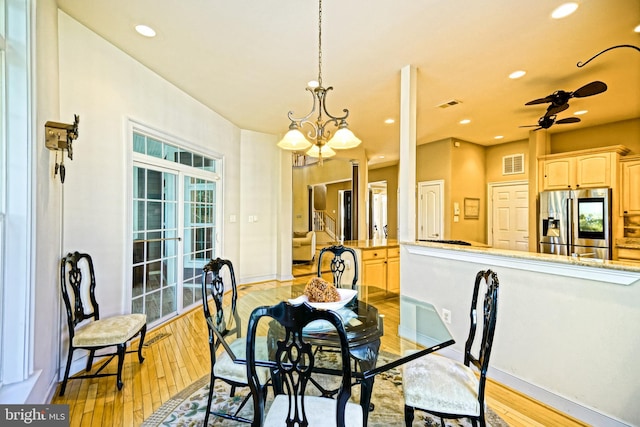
[(87, 330), (447, 388), (340, 263), (292, 363), (226, 332)]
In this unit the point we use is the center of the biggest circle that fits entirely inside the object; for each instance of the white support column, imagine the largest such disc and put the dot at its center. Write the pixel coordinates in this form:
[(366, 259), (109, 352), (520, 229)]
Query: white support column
[(407, 170)]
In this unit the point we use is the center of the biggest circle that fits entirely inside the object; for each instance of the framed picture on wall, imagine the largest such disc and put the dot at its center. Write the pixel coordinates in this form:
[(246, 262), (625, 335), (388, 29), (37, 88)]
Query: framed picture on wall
[(471, 208)]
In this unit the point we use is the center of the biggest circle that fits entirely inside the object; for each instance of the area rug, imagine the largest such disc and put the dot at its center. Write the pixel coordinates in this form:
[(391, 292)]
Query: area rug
[(187, 408)]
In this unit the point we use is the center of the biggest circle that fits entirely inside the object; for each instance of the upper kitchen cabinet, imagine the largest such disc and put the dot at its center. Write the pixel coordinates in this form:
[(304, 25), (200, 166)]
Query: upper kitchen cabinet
[(581, 169), (631, 186)]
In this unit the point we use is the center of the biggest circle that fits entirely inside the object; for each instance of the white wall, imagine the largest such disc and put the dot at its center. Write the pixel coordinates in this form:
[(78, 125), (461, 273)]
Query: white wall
[(568, 341), (107, 88), (259, 189)]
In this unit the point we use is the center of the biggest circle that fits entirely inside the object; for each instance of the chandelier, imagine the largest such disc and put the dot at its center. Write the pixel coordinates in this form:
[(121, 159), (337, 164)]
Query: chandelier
[(322, 145)]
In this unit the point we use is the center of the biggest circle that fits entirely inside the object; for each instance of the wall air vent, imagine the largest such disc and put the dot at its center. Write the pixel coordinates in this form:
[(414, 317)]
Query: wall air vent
[(449, 103), (513, 164)]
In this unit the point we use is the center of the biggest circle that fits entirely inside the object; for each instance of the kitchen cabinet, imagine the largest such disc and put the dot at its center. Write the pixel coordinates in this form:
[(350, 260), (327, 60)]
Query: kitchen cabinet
[(374, 267), (628, 254), (393, 270), (379, 268), (631, 187), (586, 171), (591, 168)]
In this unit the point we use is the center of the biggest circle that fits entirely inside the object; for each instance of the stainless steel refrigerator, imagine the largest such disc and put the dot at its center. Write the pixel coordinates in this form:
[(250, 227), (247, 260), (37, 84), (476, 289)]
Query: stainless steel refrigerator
[(575, 223)]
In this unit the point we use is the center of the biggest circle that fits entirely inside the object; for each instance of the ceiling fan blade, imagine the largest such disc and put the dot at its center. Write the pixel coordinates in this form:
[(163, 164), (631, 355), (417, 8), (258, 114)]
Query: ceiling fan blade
[(528, 126), (590, 89), (553, 110), (568, 120), (540, 100)]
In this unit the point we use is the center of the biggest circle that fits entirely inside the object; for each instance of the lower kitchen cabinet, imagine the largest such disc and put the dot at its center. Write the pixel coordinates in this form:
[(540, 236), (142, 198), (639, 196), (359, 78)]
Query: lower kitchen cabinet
[(381, 268)]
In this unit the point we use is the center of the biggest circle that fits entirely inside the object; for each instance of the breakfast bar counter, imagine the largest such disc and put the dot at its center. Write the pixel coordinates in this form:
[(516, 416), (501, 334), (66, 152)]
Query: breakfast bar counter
[(565, 332)]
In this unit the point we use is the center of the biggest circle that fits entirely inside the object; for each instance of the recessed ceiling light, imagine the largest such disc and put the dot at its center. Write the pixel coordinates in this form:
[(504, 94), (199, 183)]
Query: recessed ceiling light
[(465, 121), (637, 29), (390, 121), (564, 10), (578, 113), (498, 137), (313, 84), (145, 30), (517, 74), (381, 157)]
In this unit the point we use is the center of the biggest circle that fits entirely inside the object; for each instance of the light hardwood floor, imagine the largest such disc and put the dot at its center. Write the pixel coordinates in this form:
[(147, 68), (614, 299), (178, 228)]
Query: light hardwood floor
[(177, 354)]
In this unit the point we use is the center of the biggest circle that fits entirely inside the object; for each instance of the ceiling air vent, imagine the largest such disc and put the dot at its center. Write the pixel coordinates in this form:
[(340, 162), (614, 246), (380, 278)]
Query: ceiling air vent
[(513, 164), (449, 103)]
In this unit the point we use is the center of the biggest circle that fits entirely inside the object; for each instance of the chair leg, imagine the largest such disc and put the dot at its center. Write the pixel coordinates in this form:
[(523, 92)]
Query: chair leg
[(66, 372), (121, 351), (92, 353), (408, 415), (209, 400), (143, 332)]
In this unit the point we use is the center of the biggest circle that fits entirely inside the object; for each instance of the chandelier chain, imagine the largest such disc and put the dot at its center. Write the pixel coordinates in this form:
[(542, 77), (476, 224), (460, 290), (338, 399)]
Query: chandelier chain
[(320, 43)]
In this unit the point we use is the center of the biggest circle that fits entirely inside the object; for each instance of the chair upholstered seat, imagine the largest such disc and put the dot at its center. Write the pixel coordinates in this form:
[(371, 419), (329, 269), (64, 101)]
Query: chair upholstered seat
[(440, 384), (292, 365), (227, 369), (320, 412), (87, 329), (450, 389), (225, 338), (110, 331)]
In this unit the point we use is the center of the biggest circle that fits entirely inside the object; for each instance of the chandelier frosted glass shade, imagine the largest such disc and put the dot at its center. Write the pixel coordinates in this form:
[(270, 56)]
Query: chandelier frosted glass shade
[(315, 151), (294, 140), (343, 138)]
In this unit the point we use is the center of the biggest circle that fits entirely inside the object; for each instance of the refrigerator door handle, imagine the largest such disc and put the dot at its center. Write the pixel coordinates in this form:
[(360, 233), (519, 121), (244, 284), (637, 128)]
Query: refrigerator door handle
[(569, 216)]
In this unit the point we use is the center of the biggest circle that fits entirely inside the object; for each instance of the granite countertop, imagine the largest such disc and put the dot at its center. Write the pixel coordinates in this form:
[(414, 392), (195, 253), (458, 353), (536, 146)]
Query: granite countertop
[(371, 244), (535, 256), (628, 242)]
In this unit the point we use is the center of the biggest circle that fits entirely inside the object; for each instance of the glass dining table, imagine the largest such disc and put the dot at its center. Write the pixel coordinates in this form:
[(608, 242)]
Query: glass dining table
[(364, 322)]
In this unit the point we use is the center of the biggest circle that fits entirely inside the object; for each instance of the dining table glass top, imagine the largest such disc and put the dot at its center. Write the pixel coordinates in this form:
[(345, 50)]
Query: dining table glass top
[(371, 325)]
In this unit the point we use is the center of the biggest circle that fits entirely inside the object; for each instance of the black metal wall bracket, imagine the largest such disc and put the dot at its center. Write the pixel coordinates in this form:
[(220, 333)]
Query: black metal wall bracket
[(59, 137)]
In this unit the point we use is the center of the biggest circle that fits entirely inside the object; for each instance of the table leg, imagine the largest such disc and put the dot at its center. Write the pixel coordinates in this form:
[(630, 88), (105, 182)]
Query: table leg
[(366, 357)]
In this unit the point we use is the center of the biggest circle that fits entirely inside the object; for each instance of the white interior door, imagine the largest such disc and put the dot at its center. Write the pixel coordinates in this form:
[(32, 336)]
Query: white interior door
[(510, 217), (430, 210)]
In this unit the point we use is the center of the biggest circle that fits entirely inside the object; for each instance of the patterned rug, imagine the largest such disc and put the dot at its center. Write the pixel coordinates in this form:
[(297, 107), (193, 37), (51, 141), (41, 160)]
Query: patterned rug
[(188, 407)]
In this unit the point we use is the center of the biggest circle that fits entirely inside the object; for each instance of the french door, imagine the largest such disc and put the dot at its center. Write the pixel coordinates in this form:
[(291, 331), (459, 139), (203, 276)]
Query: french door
[(175, 211)]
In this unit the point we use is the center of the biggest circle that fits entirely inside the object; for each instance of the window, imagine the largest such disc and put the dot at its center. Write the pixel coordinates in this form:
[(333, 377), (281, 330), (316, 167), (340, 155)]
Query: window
[(16, 352)]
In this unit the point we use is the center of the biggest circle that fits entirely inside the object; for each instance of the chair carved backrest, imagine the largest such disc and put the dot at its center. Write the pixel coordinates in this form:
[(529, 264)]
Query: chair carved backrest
[(489, 316), (339, 263), (213, 284), (76, 289), (293, 357)]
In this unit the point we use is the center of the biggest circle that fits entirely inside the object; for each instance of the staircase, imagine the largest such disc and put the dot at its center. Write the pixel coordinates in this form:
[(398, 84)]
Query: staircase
[(325, 227)]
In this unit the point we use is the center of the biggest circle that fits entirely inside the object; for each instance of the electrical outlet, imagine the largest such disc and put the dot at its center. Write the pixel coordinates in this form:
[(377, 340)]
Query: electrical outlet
[(446, 315)]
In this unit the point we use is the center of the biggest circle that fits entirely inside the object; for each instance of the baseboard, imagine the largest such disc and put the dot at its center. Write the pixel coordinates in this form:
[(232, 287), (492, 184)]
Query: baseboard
[(255, 279), (18, 393), (576, 410)]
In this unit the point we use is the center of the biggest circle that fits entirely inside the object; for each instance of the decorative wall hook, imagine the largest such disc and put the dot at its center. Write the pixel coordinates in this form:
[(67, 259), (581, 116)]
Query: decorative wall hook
[(59, 137), (582, 64)]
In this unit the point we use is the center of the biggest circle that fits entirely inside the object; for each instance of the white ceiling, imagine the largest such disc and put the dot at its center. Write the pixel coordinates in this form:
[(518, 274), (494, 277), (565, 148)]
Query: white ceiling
[(250, 61)]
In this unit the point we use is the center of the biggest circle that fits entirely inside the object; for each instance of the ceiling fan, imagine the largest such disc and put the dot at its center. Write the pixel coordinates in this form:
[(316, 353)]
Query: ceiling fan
[(546, 121), (559, 100)]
